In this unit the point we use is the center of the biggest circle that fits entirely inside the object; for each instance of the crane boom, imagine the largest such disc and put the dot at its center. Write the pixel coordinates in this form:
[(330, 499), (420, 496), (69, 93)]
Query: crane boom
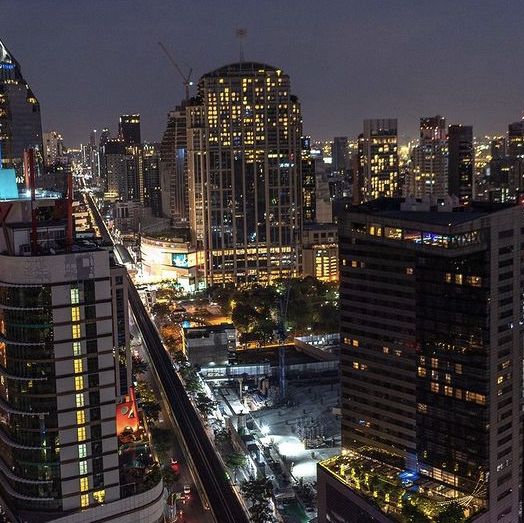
[(185, 77)]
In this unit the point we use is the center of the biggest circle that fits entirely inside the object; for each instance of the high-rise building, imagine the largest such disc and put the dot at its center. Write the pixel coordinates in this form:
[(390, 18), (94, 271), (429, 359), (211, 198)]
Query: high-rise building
[(379, 160), (114, 157), (20, 121), (65, 379), (461, 158), (308, 182), (244, 171), (429, 159), (151, 170), (173, 168), (516, 139), (431, 364), (129, 129), (53, 148), (340, 155)]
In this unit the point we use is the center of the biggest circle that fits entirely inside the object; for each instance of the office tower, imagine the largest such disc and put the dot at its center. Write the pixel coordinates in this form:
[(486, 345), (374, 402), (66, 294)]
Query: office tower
[(129, 129), (431, 363), (244, 167), (173, 167), (53, 148), (115, 167), (498, 148), (379, 160), (65, 375), (308, 182), (151, 170), (461, 156), (340, 155), (516, 139), (429, 159), (20, 122)]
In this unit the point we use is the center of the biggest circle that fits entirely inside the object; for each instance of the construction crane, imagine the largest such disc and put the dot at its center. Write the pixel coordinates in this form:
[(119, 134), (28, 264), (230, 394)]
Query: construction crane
[(185, 77)]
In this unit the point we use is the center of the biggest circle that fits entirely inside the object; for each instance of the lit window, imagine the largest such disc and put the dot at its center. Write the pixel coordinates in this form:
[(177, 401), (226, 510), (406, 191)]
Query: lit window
[(82, 450), (354, 263), (75, 314), (79, 400), (447, 377), (75, 331), (434, 387), (500, 380), (409, 270), (84, 500), (422, 407), (458, 279), (78, 366), (474, 281), (82, 467), (355, 365), (84, 484), (99, 496), (421, 371), (458, 368), (80, 417), (448, 391), (77, 350), (458, 394), (386, 350), (79, 382), (81, 433), (434, 363), (355, 343), (75, 298), (447, 277)]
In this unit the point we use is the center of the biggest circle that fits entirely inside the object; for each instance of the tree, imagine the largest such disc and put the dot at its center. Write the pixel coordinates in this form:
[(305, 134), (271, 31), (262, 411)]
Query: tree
[(161, 309), (258, 492), (204, 404), (170, 477), (413, 514), (139, 366), (453, 513), (236, 460)]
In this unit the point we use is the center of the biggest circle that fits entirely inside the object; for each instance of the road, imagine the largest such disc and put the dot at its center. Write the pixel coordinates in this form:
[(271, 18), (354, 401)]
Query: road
[(223, 500)]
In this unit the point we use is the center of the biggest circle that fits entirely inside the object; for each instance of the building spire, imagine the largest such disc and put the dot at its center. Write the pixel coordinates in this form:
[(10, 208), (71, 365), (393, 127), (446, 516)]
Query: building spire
[(241, 34)]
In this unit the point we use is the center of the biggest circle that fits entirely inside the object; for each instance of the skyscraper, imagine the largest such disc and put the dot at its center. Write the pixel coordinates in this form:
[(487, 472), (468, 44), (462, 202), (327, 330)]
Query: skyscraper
[(429, 159), (129, 129), (431, 364), (340, 155), (65, 375), (244, 167), (20, 122), (53, 148), (308, 182), (173, 167), (461, 156), (151, 170), (379, 160)]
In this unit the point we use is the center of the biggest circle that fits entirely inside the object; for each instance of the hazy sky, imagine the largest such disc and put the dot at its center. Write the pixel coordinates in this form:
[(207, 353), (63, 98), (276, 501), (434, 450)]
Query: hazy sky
[(88, 61)]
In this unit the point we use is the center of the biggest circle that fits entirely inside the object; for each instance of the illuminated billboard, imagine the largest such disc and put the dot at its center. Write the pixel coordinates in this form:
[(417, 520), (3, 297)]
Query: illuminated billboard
[(179, 260)]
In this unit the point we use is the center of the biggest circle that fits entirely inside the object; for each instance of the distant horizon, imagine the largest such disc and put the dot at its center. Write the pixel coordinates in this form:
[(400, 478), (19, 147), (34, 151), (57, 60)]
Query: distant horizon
[(346, 62)]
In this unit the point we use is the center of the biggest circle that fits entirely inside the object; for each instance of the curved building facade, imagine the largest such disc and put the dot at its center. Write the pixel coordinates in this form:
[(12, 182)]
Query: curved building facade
[(20, 120)]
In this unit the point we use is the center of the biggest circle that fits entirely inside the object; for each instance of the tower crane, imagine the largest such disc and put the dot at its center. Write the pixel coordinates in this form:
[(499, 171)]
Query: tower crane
[(185, 77)]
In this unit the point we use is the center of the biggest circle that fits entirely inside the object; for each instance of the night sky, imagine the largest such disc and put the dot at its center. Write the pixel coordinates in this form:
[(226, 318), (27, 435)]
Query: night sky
[(88, 61)]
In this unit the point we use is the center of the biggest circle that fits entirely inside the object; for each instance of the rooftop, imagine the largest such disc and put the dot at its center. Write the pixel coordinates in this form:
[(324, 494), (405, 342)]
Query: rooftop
[(240, 68)]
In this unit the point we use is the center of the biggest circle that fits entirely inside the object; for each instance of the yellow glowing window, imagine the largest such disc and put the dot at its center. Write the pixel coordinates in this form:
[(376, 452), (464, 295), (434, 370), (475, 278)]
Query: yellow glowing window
[(77, 350), (79, 382), (448, 391), (474, 281), (84, 484), (80, 417), (81, 433), (422, 407), (75, 314), (75, 331), (78, 366), (82, 467), (355, 365), (421, 371), (355, 343), (75, 296), (448, 277), (434, 387), (99, 496), (84, 500), (458, 279), (82, 450), (434, 363), (79, 400), (500, 380)]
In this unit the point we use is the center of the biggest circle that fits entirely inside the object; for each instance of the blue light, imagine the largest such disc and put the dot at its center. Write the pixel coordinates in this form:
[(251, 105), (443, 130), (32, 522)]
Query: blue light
[(8, 188), (5, 65)]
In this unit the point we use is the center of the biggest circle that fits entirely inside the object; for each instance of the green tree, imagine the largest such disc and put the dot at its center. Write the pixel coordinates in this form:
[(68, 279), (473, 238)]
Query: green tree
[(413, 514), (258, 492), (204, 404), (139, 366), (236, 460), (161, 309), (453, 513)]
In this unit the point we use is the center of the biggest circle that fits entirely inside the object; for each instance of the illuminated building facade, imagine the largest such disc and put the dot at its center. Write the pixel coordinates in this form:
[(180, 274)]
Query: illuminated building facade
[(20, 121), (64, 368), (244, 173), (461, 163), (129, 129), (173, 168), (320, 251), (379, 160), (429, 160), (340, 161), (431, 361), (308, 182), (150, 159)]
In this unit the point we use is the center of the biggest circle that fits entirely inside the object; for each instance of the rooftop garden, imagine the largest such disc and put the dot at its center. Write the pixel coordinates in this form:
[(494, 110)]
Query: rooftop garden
[(403, 495)]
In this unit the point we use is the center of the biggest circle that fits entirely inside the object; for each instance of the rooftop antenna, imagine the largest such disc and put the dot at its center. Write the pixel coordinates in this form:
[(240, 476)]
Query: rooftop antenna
[(185, 77), (241, 34)]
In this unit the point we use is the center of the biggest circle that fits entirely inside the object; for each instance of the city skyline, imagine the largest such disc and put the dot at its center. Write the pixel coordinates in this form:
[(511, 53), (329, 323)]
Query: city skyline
[(402, 74)]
